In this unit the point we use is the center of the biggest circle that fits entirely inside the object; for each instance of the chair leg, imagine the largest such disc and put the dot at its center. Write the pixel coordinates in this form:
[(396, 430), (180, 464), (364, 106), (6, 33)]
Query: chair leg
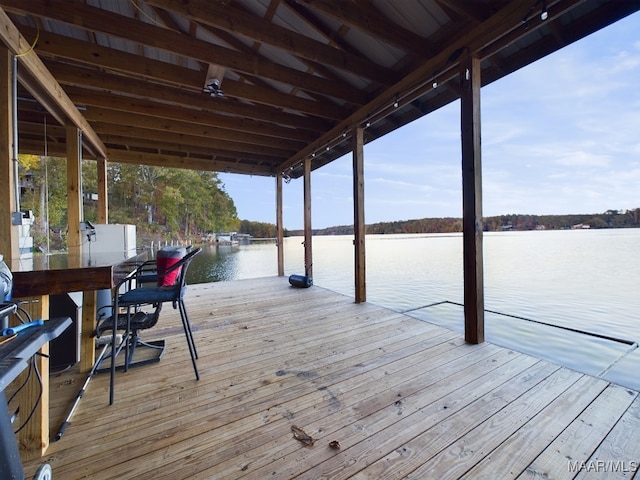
[(189, 335), (114, 316), (114, 351), (188, 327), (127, 347)]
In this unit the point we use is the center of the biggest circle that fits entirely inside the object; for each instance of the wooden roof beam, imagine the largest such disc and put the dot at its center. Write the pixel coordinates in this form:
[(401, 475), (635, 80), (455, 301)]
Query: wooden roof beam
[(111, 130), (130, 105), (235, 21), (58, 149), (170, 94), (97, 114), (92, 18), (175, 161), (370, 21), (42, 85), (59, 46), (475, 12), (313, 66), (136, 143), (311, 18), (505, 23)]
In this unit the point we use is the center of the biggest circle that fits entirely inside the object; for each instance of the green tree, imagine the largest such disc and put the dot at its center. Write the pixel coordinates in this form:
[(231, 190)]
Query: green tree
[(164, 203)]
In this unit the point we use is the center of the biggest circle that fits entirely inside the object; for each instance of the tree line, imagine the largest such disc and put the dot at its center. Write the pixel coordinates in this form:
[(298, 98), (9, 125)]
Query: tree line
[(165, 204), (260, 229), (608, 219)]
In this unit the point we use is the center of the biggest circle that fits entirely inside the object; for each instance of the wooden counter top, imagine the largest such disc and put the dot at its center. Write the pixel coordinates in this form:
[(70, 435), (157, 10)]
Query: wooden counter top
[(62, 273)]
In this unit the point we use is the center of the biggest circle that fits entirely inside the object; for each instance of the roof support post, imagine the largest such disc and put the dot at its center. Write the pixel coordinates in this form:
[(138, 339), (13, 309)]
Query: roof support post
[(279, 226), (103, 199), (74, 189), (9, 244), (308, 256), (358, 215), (34, 437), (472, 199)]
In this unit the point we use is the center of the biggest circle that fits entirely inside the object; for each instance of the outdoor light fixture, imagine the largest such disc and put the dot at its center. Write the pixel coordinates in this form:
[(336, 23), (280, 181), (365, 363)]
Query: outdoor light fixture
[(545, 14), (212, 87), (395, 103)]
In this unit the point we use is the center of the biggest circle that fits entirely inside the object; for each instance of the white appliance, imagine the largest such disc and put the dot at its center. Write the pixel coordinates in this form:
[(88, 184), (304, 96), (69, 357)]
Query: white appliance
[(111, 238)]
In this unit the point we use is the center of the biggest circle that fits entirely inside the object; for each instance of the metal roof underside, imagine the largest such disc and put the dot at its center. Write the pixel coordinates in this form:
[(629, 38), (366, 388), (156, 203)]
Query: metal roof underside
[(297, 75)]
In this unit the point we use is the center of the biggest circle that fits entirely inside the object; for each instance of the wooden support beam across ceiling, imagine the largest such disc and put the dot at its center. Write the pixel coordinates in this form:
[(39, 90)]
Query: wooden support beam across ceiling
[(45, 86), (99, 20), (127, 105), (191, 163), (60, 47), (172, 94), (234, 20), (505, 21)]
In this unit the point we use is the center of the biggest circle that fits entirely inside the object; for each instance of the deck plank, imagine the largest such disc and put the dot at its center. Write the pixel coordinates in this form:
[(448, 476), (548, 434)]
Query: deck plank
[(516, 453), (617, 456), (404, 398), (583, 435)]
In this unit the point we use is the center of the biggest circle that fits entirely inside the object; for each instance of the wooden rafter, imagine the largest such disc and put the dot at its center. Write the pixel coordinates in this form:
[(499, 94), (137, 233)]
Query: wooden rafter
[(236, 21), (298, 73), (97, 19), (42, 84)]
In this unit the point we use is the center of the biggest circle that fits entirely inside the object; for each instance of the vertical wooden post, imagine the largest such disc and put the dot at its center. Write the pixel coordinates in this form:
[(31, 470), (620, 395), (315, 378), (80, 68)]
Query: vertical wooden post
[(9, 243), (472, 200), (87, 343), (358, 215), (279, 225), (103, 199), (34, 437), (308, 254), (74, 193)]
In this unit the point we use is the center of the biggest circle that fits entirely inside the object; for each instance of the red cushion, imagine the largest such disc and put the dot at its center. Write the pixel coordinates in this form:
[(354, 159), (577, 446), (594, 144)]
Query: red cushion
[(165, 258)]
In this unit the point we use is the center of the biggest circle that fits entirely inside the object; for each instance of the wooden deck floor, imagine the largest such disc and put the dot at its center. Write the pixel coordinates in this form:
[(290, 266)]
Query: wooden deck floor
[(404, 399)]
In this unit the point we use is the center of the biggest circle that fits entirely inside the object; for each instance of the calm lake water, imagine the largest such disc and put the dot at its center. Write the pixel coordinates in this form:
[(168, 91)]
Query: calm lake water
[(571, 296)]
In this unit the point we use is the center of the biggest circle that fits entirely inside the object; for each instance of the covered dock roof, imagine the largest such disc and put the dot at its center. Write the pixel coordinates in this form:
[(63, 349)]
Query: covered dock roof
[(257, 86)]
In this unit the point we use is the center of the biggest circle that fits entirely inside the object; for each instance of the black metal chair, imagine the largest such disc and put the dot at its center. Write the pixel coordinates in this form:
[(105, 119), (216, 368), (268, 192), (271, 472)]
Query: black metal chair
[(133, 295)]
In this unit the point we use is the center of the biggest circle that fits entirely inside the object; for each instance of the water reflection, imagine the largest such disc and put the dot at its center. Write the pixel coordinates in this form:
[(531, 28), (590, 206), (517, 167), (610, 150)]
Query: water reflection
[(586, 280), (219, 263), (214, 264)]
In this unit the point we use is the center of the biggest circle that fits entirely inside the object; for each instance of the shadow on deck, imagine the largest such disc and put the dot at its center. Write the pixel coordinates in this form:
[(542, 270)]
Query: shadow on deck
[(402, 397)]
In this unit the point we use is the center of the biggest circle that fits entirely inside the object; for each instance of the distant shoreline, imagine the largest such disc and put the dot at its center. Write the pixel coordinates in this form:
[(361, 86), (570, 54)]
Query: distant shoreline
[(513, 222)]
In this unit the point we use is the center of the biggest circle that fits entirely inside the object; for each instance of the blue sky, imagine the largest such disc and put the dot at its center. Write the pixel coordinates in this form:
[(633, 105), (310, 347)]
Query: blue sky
[(559, 136)]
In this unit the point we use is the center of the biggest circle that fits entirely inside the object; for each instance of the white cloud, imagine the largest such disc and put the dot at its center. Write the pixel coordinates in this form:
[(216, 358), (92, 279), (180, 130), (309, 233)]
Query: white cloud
[(581, 158)]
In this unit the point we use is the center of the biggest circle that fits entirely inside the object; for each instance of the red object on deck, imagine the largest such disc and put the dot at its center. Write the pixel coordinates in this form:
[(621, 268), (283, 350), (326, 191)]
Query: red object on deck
[(165, 259)]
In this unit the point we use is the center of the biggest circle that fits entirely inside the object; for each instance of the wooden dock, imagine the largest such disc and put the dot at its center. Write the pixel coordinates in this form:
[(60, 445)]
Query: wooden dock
[(401, 397)]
